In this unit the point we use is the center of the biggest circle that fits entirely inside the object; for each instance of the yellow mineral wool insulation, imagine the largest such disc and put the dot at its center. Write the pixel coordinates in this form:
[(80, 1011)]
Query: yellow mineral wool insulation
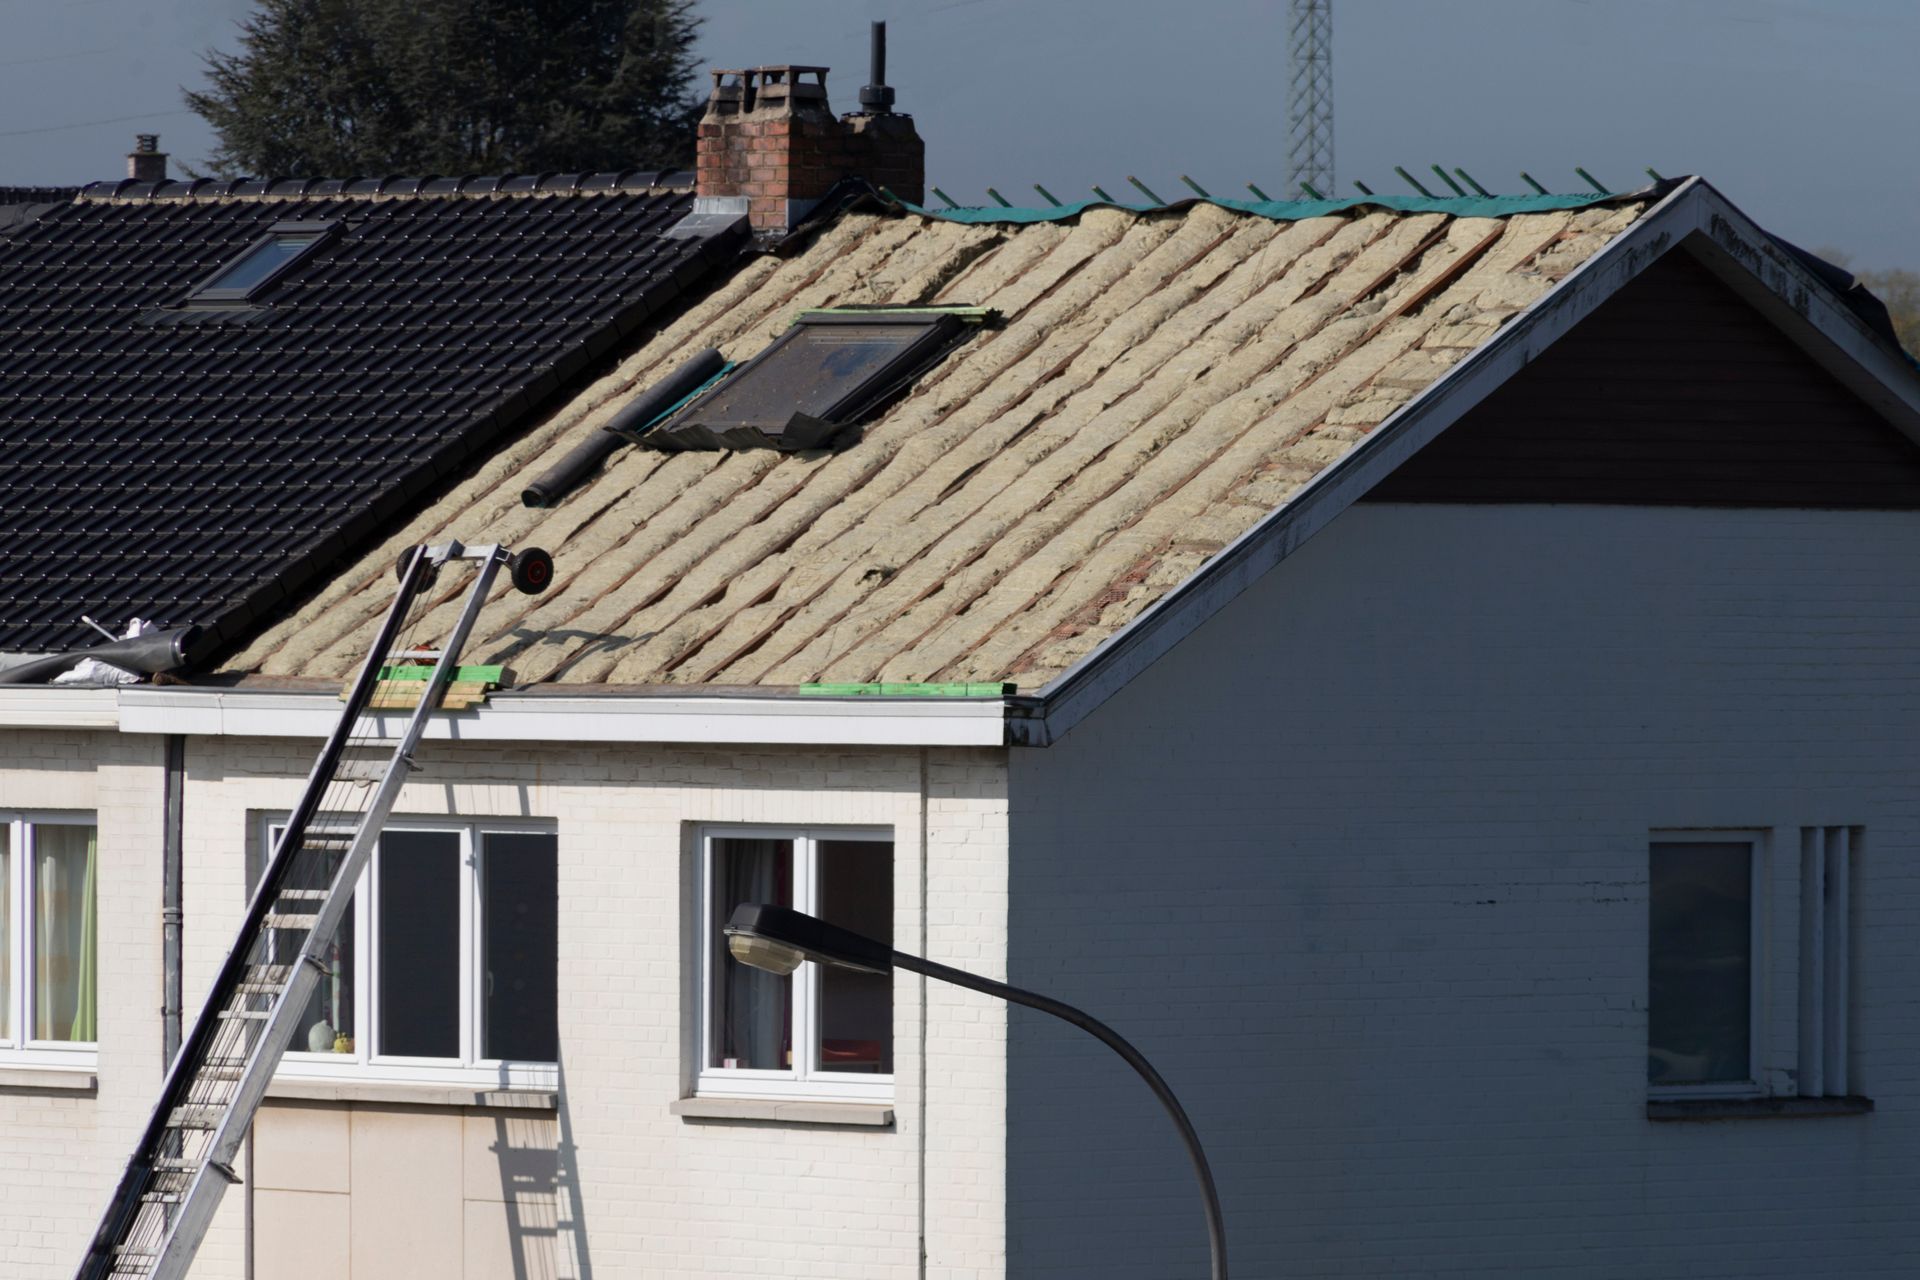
[(1012, 257), (916, 531), (1071, 468), (1161, 383), (646, 552), (1141, 499)]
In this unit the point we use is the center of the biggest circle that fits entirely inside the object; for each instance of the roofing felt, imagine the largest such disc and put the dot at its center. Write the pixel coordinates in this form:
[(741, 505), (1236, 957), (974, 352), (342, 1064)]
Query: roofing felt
[(1163, 380), (195, 466)]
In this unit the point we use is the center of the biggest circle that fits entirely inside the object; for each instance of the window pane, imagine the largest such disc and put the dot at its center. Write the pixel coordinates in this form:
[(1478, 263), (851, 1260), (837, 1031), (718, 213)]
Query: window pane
[(64, 933), (327, 1023), (6, 932), (418, 943), (261, 263), (856, 1009), (1700, 963), (519, 921), (752, 1013)]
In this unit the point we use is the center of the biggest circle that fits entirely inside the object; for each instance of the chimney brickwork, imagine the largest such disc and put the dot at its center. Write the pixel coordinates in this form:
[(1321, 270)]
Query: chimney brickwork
[(768, 136)]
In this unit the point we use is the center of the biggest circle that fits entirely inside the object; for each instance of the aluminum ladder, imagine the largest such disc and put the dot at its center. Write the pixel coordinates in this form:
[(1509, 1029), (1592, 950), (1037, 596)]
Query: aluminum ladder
[(185, 1160)]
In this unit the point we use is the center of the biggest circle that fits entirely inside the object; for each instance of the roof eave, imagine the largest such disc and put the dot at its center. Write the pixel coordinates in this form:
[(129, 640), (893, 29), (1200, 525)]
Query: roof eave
[(549, 716), (1692, 213)]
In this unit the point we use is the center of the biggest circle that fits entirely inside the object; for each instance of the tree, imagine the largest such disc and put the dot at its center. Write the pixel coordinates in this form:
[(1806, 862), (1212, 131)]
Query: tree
[(329, 88), (1900, 290)]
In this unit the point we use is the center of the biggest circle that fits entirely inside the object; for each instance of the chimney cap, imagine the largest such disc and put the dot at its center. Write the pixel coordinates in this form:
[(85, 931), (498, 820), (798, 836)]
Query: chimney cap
[(146, 144)]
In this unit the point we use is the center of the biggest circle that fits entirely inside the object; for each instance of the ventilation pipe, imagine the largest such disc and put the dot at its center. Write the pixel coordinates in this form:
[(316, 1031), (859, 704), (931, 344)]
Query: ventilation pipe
[(566, 475), (150, 654)]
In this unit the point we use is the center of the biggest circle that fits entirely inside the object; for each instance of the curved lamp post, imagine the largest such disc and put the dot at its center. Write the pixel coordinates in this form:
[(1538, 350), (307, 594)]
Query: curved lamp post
[(777, 939)]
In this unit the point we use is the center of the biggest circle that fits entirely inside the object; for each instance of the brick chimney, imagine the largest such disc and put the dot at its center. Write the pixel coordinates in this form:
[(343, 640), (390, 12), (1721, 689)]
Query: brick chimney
[(147, 162), (771, 147)]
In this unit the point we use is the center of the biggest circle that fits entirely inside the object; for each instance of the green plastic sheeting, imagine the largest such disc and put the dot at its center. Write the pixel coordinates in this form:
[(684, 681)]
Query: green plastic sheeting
[(1296, 210)]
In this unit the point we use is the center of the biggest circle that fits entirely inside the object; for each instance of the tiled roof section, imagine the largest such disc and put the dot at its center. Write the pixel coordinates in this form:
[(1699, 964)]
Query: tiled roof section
[(196, 466), (1162, 382), (37, 195), (633, 181)]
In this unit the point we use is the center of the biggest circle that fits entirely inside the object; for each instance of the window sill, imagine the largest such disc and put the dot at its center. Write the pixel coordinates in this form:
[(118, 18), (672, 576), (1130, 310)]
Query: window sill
[(411, 1094), (1754, 1108), (47, 1080), (857, 1114)]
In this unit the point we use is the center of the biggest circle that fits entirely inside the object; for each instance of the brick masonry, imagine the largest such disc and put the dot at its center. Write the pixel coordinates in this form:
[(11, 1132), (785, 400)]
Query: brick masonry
[(771, 137), (1362, 866)]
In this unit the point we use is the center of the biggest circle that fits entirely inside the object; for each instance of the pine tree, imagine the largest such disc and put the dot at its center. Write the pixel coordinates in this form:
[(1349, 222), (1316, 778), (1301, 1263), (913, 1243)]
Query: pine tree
[(326, 88)]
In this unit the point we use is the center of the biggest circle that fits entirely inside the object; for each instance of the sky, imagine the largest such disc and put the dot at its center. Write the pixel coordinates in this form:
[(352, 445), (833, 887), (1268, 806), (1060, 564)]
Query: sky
[(1797, 110)]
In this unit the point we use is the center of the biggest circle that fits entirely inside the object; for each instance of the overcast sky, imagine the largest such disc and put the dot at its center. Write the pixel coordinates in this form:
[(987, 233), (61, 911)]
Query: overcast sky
[(1800, 110)]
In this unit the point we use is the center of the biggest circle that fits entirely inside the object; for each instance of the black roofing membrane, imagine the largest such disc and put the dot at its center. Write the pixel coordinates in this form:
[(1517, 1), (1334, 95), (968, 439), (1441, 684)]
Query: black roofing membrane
[(198, 465)]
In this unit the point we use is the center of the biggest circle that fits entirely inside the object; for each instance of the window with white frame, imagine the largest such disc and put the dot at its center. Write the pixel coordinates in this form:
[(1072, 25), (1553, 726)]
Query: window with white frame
[(1708, 924), (1702, 980), (49, 937), (446, 966), (818, 1032)]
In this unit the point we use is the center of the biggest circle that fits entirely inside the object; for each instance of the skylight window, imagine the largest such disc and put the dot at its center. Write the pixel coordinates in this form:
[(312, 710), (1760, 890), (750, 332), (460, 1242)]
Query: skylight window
[(262, 262), (825, 373)]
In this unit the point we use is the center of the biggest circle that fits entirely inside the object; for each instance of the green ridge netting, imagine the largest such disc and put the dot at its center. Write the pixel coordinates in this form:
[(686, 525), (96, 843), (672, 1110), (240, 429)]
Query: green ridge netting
[(1294, 210)]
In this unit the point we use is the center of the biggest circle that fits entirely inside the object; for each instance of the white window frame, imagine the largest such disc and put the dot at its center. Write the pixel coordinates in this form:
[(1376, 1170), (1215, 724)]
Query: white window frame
[(804, 1081), (1758, 844), (363, 1064), (17, 1047)]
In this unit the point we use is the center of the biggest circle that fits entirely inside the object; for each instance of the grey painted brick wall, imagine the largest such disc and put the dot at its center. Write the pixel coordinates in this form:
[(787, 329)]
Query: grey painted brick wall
[(1362, 866)]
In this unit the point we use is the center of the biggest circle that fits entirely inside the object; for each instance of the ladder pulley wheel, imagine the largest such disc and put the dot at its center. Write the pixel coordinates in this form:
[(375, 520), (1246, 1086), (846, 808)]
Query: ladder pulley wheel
[(532, 570), (406, 558)]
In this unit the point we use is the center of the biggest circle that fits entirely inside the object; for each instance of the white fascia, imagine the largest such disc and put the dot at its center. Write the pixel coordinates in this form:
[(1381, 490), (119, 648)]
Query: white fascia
[(1693, 215), (795, 721)]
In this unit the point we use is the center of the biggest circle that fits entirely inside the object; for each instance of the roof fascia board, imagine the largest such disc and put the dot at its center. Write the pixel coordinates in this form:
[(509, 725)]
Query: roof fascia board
[(786, 721), (1072, 696)]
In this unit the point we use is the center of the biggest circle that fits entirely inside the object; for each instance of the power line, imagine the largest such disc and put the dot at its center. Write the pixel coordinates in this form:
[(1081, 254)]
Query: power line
[(89, 124)]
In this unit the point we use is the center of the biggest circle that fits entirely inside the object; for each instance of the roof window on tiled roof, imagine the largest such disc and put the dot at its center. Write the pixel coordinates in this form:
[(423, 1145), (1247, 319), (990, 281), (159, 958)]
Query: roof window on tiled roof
[(244, 278), (830, 369)]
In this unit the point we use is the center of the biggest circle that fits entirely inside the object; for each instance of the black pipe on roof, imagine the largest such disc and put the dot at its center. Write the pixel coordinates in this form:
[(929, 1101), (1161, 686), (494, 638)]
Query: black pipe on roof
[(566, 475), (150, 654)]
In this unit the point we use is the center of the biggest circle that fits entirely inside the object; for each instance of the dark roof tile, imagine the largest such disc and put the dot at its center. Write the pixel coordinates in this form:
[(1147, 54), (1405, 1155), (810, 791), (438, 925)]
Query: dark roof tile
[(203, 465)]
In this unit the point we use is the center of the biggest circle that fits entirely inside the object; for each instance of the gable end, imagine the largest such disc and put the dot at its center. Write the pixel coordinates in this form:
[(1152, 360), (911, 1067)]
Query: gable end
[(1675, 391)]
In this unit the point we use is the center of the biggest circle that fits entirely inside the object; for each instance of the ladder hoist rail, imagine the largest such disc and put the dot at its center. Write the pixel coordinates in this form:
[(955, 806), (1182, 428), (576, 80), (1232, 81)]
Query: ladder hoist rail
[(185, 1159)]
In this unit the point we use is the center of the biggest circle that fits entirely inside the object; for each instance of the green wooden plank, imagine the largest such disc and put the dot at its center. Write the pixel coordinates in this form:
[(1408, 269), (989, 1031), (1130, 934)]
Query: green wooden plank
[(407, 671)]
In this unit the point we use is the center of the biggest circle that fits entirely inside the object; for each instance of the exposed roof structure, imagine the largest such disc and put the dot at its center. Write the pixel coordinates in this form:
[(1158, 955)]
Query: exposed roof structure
[(199, 464), (1161, 382)]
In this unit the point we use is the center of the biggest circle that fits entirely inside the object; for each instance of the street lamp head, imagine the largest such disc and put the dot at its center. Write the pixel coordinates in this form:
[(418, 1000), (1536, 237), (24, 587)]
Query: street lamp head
[(777, 939)]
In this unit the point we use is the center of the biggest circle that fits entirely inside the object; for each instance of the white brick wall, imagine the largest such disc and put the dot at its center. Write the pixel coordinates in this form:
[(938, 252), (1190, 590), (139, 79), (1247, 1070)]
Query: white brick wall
[(60, 1153), (1362, 866), (652, 1194)]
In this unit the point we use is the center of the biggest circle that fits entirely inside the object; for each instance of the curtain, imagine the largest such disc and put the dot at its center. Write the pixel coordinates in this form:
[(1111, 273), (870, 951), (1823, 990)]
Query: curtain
[(753, 1009), (6, 932), (65, 933)]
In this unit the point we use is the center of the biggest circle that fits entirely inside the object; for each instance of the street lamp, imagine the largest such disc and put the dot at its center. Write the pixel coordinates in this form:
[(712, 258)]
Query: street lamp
[(777, 939)]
